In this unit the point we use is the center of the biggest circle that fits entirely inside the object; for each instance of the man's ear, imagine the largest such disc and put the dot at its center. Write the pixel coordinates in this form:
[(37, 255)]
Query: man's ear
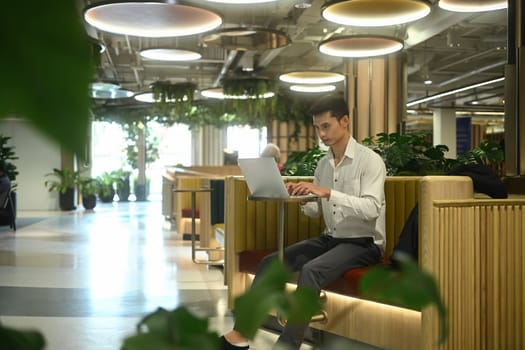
[(345, 121)]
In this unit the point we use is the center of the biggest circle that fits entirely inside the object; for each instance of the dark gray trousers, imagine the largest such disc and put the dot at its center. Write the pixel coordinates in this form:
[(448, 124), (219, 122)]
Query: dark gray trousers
[(320, 261)]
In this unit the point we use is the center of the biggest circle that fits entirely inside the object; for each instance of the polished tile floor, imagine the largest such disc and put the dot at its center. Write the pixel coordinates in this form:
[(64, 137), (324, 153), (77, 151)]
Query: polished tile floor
[(84, 279)]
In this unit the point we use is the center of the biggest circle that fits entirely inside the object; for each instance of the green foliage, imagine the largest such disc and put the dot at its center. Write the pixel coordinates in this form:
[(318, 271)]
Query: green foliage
[(253, 107), (179, 329), (106, 181), (61, 180), (121, 176), (173, 99), (14, 339), (88, 186), (410, 154), (487, 153), (408, 287), (7, 154), (46, 69), (303, 163), (133, 130)]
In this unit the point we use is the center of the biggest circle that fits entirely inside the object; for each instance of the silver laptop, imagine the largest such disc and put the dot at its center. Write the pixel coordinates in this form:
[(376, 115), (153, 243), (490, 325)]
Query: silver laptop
[(264, 180)]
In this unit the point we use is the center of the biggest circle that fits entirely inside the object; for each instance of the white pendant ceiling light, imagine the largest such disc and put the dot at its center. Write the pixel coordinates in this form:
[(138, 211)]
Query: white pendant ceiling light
[(246, 2), (311, 77), (151, 19), (374, 13), (216, 93), (109, 91), (472, 5), (313, 88), (360, 46), (170, 54)]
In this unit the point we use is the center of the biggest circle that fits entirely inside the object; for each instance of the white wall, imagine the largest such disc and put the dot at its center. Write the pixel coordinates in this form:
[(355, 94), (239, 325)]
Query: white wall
[(38, 155)]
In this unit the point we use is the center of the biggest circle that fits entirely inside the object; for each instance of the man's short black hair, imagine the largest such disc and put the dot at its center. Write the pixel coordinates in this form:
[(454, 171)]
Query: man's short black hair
[(3, 167), (335, 104)]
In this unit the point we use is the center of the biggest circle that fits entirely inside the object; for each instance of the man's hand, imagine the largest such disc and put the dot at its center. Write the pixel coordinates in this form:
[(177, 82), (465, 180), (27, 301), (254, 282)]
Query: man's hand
[(304, 188)]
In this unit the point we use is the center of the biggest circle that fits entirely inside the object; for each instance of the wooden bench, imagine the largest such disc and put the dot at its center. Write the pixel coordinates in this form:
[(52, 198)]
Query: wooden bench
[(473, 247)]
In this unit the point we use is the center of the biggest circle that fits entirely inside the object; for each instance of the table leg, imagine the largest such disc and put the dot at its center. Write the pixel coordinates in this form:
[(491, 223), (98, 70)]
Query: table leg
[(280, 224)]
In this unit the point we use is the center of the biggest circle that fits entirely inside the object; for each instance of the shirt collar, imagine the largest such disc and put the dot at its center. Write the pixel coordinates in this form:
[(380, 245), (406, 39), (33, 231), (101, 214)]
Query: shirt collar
[(349, 151)]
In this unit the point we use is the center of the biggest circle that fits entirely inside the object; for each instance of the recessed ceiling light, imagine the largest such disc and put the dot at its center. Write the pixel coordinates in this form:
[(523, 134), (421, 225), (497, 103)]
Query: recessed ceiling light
[(170, 55), (472, 5), (360, 46), (312, 88), (311, 77), (374, 13), (151, 19)]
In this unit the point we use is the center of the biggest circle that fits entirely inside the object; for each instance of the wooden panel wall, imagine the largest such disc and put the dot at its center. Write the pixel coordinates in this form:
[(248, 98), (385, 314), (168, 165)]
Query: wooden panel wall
[(479, 264)]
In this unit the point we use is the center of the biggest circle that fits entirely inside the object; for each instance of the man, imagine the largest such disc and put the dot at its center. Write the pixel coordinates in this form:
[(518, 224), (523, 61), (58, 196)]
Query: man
[(350, 183)]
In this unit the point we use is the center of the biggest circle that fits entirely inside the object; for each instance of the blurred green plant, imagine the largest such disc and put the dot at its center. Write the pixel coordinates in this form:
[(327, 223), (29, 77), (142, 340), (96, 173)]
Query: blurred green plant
[(61, 180), (8, 155), (408, 286), (179, 329), (46, 69), (410, 154), (486, 153), (303, 163)]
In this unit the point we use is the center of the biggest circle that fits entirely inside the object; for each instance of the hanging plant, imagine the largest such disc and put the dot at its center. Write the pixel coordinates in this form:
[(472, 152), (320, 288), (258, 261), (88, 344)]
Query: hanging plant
[(174, 100), (251, 99)]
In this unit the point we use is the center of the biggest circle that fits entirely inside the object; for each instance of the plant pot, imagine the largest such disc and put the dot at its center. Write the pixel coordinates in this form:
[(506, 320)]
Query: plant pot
[(66, 200), (108, 197), (123, 190), (89, 202)]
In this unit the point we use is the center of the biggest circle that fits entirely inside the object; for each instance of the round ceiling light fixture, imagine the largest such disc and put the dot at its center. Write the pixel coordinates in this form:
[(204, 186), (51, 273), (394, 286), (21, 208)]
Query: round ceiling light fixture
[(360, 46), (216, 93), (472, 5), (245, 2), (151, 18), (170, 55), (311, 77), (374, 13), (313, 88)]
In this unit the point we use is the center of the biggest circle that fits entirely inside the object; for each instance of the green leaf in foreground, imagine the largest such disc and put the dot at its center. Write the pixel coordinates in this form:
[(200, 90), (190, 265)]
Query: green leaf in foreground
[(408, 287), (177, 329), (252, 308), (46, 67), (14, 339)]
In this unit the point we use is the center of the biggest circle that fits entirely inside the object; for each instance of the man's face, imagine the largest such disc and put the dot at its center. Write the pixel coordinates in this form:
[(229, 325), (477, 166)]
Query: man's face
[(329, 129)]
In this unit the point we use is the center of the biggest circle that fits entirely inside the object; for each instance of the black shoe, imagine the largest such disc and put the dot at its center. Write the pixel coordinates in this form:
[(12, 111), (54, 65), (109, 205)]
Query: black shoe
[(227, 346)]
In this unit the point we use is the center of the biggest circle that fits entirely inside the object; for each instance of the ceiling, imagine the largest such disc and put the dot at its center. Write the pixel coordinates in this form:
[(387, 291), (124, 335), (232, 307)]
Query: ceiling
[(452, 49)]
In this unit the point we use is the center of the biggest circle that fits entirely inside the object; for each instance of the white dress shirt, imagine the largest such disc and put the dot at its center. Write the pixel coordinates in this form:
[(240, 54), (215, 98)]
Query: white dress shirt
[(356, 207)]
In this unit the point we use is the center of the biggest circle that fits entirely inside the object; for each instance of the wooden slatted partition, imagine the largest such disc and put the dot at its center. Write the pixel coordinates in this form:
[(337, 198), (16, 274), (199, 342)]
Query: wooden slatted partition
[(475, 248)]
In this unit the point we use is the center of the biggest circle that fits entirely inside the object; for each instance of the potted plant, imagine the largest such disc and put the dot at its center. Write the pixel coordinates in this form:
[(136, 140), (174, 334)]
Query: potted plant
[(64, 182), (106, 191), (123, 184), (7, 154), (89, 188)]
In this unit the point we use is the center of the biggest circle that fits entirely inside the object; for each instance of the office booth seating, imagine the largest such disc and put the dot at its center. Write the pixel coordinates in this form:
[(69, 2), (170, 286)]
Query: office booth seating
[(457, 234)]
